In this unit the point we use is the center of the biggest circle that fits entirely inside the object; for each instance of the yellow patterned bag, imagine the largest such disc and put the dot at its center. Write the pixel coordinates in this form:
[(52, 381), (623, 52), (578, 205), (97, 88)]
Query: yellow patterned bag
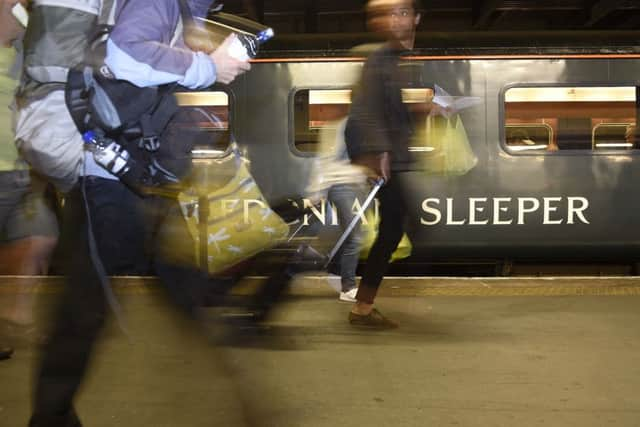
[(240, 223)]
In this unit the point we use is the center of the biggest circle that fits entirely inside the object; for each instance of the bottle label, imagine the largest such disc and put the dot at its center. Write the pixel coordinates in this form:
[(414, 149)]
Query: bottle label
[(237, 50), (112, 158)]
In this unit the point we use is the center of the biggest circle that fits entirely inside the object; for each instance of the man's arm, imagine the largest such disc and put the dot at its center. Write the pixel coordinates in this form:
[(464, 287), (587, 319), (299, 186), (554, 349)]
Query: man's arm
[(370, 108), (369, 124), (139, 50)]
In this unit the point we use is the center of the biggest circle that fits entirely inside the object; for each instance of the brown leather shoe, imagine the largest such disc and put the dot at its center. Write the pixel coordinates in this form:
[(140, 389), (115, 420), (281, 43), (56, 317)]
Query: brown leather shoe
[(374, 320)]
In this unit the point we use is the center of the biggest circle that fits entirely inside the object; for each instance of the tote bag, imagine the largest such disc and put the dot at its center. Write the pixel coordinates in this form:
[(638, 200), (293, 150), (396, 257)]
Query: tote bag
[(452, 154), (240, 223)]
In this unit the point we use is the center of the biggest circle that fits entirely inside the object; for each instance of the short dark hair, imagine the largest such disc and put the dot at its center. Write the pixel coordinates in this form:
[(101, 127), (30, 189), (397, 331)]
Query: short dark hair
[(415, 4)]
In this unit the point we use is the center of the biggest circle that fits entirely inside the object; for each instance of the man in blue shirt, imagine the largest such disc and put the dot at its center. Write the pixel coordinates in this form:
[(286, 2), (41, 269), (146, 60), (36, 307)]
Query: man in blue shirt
[(146, 48)]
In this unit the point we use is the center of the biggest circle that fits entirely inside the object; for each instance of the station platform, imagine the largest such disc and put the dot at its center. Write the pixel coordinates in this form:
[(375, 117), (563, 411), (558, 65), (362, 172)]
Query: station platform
[(469, 352)]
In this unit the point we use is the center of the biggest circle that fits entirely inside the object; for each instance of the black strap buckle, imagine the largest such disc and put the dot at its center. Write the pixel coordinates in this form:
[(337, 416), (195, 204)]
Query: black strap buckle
[(149, 143)]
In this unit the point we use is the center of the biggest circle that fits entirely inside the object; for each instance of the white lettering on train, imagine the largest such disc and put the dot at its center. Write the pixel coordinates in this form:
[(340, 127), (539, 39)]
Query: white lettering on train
[(523, 210), (505, 210), (474, 211), (575, 211), (473, 208), (548, 209), (498, 208), (319, 211)]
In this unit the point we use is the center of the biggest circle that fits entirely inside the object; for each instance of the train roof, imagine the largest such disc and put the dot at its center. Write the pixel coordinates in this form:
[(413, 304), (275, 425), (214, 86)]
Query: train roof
[(477, 43)]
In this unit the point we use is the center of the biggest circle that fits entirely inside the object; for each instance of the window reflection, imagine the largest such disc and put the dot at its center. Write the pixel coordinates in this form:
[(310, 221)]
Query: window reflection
[(316, 110), (544, 119), (205, 114)]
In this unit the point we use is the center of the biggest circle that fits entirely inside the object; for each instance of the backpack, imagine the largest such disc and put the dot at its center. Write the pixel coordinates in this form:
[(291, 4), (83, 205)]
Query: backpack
[(66, 91), (51, 48)]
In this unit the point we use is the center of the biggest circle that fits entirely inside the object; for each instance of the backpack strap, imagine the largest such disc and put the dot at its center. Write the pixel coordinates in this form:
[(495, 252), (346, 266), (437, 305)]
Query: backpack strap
[(106, 20), (185, 12), (108, 12), (186, 20), (84, 88), (154, 122)]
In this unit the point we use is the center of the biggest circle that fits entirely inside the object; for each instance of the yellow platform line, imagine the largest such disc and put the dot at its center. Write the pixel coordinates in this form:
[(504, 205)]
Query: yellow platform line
[(392, 286)]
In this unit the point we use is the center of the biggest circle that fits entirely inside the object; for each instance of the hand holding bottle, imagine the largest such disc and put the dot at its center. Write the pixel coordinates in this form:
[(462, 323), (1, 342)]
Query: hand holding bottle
[(229, 67)]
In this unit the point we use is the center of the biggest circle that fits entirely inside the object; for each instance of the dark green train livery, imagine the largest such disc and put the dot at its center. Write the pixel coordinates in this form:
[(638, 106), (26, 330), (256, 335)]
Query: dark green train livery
[(554, 158)]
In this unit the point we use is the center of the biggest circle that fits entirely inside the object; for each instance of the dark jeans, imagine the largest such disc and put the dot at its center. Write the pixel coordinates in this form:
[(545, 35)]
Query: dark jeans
[(83, 307), (119, 219), (393, 216)]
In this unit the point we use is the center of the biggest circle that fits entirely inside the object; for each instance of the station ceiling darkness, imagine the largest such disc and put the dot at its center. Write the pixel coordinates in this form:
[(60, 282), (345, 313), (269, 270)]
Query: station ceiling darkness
[(346, 16), (598, 26)]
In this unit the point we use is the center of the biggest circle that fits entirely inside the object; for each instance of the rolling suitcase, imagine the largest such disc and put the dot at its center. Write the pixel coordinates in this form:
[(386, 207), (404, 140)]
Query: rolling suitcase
[(305, 258), (306, 253)]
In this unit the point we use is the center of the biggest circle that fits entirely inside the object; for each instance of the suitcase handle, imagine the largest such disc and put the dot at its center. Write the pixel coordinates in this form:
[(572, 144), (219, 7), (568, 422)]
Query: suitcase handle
[(378, 183)]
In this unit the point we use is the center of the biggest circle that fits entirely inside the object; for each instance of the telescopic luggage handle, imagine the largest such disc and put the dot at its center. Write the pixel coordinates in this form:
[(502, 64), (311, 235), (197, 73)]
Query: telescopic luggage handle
[(377, 184)]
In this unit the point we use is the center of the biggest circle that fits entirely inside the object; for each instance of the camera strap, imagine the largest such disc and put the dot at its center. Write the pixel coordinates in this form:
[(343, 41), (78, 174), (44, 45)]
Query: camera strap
[(185, 13)]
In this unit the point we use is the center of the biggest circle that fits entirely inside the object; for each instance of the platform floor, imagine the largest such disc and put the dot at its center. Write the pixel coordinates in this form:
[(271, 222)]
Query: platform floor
[(485, 352)]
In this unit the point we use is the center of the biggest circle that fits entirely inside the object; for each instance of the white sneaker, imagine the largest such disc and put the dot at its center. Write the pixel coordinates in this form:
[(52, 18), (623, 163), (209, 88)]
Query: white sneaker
[(334, 281), (349, 296)]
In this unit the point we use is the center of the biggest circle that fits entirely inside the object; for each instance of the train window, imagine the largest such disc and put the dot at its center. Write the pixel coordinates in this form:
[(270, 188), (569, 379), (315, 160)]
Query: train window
[(587, 118), (612, 135), (318, 114), (529, 136), (206, 114)]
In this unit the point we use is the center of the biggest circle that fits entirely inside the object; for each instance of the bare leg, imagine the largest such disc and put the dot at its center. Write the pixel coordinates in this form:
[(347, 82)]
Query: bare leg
[(25, 257)]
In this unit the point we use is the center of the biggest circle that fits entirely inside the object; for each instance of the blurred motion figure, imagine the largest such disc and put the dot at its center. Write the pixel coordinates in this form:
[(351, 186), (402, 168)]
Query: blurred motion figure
[(345, 182), (146, 48), (28, 225), (377, 135)]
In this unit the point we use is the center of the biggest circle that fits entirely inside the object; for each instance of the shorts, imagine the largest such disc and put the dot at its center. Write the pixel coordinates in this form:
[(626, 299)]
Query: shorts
[(24, 208)]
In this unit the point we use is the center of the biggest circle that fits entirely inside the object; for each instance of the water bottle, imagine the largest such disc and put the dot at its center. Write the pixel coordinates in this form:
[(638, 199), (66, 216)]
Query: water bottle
[(108, 153), (264, 35), (249, 34), (245, 46), (238, 47)]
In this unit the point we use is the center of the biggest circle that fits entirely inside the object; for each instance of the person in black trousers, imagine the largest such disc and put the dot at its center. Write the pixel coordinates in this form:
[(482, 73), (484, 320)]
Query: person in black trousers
[(143, 28), (378, 133)]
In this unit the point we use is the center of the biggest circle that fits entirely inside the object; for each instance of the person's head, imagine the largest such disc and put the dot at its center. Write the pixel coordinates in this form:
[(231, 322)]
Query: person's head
[(10, 28), (395, 19)]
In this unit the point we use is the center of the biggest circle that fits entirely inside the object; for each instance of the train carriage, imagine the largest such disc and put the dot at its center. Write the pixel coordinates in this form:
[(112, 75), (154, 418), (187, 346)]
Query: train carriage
[(557, 161)]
